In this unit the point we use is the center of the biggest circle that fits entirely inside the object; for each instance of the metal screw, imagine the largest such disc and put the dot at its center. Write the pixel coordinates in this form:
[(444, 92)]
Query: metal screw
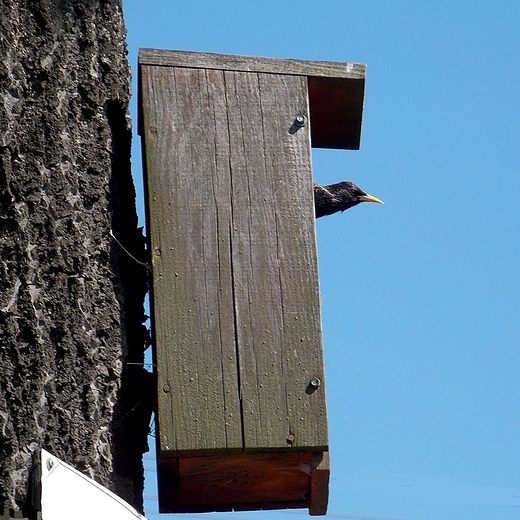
[(300, 120), (166, 388), (50, 464), (315, 383), (291, 438)]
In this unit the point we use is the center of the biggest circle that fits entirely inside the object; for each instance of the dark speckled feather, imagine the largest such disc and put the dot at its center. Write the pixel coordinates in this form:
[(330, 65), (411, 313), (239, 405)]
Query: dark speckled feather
[(339, 197)]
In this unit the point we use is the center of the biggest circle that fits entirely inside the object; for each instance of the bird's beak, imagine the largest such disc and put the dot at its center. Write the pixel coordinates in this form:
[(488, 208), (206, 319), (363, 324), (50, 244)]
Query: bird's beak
[(369, 198)]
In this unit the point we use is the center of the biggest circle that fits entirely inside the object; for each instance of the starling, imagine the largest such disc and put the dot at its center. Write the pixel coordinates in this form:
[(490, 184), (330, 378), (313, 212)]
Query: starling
[(339, 197)]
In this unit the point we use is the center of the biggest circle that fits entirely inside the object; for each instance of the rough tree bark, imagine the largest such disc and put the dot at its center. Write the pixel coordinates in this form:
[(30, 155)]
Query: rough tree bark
[(71, 300)]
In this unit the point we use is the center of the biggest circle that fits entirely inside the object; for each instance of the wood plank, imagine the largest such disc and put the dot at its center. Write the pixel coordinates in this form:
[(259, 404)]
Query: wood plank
[(289, 162), (206, 60), (258, 302), (336, 90), (319, 493), (236, 482), (244, 482), (235, 288), (189, 218), (274, 263), (244, 478)]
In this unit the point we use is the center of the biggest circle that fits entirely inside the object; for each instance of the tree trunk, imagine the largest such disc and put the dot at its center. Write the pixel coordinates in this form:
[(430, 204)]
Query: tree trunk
[(71, 299)]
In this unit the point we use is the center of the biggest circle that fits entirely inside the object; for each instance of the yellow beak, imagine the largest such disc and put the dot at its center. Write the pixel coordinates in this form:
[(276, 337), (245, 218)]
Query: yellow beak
[(370, 198)]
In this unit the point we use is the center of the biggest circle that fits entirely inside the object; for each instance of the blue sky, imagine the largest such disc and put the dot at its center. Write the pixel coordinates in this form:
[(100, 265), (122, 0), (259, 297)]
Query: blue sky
[(420, 297)]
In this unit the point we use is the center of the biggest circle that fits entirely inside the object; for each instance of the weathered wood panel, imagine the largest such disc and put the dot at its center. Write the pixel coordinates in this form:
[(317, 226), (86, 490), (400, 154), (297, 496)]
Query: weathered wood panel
[(258, 303), (288, 161), (277, 304), (336, 90), (235, 288), (231, 62), (189, 219)]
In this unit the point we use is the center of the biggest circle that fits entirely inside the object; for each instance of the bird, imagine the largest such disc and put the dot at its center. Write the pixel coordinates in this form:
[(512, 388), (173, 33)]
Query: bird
[(339, 197)]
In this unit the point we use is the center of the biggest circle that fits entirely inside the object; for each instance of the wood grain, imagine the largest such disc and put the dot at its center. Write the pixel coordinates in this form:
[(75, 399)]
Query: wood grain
[(189, 218), (336, 90), (206, 60), (244, 482), (236, 311)]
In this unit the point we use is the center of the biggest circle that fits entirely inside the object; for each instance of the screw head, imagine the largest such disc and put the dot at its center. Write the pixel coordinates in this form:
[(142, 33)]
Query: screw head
[(166, 388), (315, 383), (301, 120)]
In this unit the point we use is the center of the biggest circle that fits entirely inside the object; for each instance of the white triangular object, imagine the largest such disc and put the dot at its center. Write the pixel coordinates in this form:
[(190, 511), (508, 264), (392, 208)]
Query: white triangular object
[(67, 494)]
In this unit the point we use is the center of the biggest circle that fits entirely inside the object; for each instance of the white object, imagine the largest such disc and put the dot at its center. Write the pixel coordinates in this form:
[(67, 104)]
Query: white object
[(67, 494)]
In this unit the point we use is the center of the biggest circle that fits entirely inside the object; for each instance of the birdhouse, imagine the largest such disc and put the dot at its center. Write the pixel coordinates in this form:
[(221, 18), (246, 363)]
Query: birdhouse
[(241, 412)]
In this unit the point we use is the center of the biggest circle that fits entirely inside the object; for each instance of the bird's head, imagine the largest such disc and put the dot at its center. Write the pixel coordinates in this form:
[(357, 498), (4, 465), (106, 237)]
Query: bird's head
[(347, 194)]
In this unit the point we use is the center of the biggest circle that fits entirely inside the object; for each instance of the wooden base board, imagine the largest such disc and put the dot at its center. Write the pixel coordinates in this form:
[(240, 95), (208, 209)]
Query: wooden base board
[(244, 482)]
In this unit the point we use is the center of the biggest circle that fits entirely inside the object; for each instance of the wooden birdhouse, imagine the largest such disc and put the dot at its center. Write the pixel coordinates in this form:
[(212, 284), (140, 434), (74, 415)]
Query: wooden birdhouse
[(241, 412)]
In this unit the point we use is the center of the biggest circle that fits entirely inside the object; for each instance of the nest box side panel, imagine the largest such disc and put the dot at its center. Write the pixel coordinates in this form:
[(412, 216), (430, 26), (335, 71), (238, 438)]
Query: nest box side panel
[(189, 209), (236, 310), (275, 274)]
